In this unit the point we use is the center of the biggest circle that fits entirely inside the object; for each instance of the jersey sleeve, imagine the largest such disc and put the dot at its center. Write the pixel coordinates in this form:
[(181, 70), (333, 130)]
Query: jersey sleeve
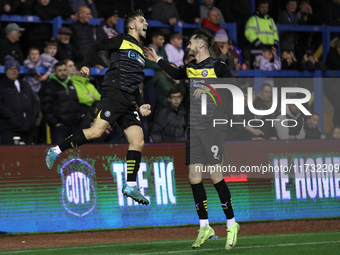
[(175, 73), (110, 43), (222, 70)]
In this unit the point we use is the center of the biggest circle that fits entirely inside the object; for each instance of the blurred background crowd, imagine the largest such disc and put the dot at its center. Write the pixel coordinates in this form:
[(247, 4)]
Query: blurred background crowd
[(38, 108)]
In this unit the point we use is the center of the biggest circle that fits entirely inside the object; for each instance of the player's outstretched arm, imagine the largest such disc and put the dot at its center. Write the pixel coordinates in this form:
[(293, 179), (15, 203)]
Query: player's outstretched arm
[(151, 55), (145, 109)]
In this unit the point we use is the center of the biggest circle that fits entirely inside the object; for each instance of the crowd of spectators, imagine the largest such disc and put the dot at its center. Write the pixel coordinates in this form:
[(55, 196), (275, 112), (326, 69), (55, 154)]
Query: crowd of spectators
[(68, 100)]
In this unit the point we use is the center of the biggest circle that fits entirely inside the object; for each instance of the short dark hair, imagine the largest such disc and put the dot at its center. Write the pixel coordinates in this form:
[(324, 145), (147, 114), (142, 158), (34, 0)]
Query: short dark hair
[(313, 113), (262, 2), (33, 48), (258, 105), (51, 42), (205, 36), (265, 85), (174, 35), (130, 17), (174, 90), (59, 63), (267, 47), (156, 33)]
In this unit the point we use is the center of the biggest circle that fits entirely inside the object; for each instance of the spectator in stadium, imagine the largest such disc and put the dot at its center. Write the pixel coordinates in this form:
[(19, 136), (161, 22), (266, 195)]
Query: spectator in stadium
[(261, 30), (166, 12), (330, 13), (268, 60), (265, 129), (311, 63), (12, 7), (222, 49), (174, 49), (207, 6), (265, 96), (212, 22), (65, 50), (238, 12), (31, 63), (294, 124), (288, 61), (305, 13), (9, 45), (86, 92), (335, 133), (163, 84), (189, 11), (45, 10), (108, 26), (157, 43), (169, 125), (76, 4), (311, 126), (83, 35), (50, 51), (59, 104), (147, 6), (331, 87), (288, 17), (19, 108)]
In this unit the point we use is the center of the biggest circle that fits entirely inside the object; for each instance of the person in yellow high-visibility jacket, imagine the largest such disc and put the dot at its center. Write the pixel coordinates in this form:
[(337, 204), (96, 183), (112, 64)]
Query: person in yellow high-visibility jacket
[(261, 30)]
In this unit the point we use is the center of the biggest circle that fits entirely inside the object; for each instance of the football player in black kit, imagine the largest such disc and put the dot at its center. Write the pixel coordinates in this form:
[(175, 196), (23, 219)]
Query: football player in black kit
[(119, 94), (205, 145)]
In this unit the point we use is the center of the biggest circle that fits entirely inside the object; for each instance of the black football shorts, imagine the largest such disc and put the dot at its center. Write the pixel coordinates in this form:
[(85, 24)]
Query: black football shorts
[(205, 146), (119, 107)]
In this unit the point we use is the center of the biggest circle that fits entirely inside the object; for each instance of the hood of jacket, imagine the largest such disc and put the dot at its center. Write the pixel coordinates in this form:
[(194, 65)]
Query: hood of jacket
[(62, 83)]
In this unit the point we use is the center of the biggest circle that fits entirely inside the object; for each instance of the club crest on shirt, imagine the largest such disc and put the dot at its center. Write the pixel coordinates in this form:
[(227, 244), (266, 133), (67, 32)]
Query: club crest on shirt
[(107, 114), (204, 73)]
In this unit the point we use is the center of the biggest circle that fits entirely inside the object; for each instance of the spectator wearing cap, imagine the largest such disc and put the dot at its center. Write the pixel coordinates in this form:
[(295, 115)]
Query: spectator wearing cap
[(212, 22), (19, 108), (108, 26), (222, 49), (10, 46), (65, 50)]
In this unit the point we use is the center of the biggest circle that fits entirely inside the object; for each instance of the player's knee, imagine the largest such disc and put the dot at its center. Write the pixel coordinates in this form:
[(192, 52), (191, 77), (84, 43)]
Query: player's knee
[(194, 180), (215, 180), (137, 145)]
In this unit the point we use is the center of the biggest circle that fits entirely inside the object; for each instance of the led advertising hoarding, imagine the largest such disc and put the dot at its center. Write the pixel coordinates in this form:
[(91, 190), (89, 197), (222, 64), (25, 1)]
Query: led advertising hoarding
[(268, 181)]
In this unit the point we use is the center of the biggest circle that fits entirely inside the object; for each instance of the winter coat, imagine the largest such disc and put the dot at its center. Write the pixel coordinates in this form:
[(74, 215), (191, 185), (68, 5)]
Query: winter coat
[(84, 87), (18, 110), (169, 125), (59, 102)]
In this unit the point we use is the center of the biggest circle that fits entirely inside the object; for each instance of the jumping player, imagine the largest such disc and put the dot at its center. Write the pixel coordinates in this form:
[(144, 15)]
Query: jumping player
[(205, 145), (119, 94)]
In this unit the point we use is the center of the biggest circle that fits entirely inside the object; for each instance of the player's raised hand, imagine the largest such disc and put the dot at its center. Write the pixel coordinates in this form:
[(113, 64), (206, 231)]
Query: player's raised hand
[(150, 54), (145, 109), (84, 71)]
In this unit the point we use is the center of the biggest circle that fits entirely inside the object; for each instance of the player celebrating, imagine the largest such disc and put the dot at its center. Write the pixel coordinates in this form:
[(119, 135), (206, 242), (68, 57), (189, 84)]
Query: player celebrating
[(120, 92), (201, 138)]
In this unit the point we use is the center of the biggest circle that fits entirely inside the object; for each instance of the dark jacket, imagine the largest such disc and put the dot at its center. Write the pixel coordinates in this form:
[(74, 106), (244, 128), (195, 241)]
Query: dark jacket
[(83, 35), (188, 12), (66, 51), (333, 59), (18, 110), (12, 49), (169, 125), (312, 133), (59, 102)]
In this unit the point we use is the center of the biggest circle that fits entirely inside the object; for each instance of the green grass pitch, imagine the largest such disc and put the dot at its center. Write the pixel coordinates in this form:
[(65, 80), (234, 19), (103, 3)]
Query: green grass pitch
[(293, 244)]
